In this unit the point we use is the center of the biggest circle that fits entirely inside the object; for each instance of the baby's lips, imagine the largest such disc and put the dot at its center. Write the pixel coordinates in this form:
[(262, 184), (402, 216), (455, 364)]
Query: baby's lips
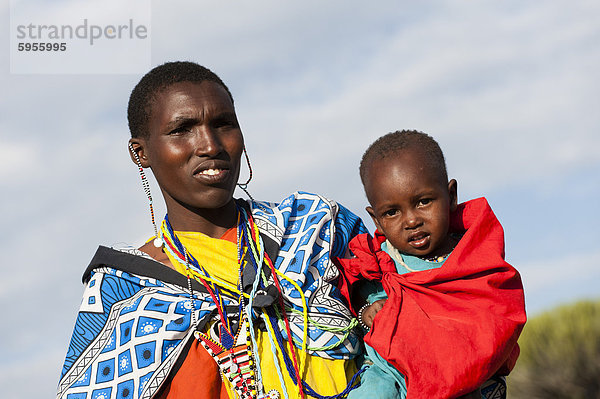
[(419, 240)]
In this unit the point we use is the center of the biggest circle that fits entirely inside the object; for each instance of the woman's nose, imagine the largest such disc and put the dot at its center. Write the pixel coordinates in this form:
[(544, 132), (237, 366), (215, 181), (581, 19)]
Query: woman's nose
[(208, 142)]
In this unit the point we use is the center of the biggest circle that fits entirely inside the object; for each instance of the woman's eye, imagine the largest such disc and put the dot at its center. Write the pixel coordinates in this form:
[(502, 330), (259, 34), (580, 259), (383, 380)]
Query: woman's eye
[(180, 130), (225, 123)]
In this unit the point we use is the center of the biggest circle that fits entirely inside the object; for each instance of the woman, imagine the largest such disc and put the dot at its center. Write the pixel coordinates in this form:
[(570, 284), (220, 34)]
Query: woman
[(231, 298)]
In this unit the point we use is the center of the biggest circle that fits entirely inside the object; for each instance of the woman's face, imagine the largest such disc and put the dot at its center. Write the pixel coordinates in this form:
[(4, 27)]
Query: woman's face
[(194, 145)]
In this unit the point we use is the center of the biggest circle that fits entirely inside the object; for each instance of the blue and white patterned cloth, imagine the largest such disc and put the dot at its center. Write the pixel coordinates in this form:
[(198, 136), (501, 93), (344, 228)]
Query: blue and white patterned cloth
[(135, 317)]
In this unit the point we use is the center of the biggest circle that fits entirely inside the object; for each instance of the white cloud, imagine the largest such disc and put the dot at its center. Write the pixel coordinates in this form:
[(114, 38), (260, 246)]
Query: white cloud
[(15, 160)]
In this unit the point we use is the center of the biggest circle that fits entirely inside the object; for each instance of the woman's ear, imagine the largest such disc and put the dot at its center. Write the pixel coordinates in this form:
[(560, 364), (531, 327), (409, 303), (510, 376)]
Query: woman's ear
[(453, 194), (137, 152)]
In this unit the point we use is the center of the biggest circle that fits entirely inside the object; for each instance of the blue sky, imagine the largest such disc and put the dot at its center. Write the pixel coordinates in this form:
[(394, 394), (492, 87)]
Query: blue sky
[(509, 89)]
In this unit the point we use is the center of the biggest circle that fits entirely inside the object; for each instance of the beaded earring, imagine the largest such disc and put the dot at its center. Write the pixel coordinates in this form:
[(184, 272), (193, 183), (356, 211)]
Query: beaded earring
[(158, 242), (244, 186)]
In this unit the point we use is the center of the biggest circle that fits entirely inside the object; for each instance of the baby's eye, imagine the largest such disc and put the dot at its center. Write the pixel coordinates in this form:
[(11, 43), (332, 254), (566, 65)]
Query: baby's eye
[(424, 201), (390, 212)]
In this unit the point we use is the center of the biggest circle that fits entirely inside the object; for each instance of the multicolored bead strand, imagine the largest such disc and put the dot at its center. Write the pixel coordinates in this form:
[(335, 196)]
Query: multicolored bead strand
[(232, 352), (157, 241)]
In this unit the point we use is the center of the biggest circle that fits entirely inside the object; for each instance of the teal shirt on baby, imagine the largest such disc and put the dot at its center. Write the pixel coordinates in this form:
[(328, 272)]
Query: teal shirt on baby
[(381, 379)]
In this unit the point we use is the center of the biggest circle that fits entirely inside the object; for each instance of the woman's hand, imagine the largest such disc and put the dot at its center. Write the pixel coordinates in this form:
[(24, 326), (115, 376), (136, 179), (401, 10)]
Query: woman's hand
[(368, 314)]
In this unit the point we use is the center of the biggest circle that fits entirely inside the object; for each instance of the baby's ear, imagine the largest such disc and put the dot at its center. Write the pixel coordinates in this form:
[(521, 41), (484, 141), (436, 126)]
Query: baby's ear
[(371, 213), (453, 194)]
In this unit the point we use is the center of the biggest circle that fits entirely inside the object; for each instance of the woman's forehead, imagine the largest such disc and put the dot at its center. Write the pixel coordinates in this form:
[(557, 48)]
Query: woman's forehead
[(190, 99), (186, 92)]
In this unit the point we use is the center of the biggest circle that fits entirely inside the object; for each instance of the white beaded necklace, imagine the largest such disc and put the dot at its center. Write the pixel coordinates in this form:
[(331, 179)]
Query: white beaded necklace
[(397, 256)]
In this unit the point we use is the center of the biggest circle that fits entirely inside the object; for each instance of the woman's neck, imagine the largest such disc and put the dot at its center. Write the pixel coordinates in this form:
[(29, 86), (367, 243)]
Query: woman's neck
[(213, 222)]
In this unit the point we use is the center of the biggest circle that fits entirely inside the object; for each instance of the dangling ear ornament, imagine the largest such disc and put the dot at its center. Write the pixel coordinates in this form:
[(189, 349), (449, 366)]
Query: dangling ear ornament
[(244, 186), (158, 242)]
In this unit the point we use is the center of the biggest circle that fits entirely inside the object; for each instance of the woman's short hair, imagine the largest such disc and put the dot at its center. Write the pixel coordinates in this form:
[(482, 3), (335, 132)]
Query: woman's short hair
[(155, 81)]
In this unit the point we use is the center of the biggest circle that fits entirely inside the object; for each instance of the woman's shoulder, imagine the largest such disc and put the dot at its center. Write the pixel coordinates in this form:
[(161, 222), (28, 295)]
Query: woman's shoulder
[(306, 217), (132, 261), (299, 203), (302, 205)]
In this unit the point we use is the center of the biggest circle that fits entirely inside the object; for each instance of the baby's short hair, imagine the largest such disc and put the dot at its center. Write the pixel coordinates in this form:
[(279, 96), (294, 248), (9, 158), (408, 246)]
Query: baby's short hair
[(392, 143), (159, 78)]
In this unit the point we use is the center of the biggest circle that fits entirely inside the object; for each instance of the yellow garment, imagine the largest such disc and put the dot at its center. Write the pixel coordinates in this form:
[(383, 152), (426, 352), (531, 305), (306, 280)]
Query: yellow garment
[(219, 258)]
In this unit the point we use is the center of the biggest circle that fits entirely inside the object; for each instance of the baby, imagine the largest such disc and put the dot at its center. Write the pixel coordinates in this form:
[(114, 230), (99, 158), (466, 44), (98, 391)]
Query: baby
[(443, 309)]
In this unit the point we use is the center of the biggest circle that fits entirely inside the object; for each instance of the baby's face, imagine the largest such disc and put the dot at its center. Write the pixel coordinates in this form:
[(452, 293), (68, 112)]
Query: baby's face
[(411, 203)]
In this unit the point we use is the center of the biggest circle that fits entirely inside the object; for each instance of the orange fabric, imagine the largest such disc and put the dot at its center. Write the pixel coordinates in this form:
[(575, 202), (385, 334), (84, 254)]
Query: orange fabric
[(230, 235), (198, 378)]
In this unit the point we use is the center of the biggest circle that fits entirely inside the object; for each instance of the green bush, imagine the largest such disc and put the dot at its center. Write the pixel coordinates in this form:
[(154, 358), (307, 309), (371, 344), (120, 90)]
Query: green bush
[(560, 354)]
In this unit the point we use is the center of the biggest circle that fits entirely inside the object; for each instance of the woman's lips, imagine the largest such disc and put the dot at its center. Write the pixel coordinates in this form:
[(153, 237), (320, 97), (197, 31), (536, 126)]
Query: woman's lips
[(212, 175), (211, 172)]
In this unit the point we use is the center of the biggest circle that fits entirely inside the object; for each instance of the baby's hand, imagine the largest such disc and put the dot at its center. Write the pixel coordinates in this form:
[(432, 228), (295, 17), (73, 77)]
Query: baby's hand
[(473, 395), (368, 314)]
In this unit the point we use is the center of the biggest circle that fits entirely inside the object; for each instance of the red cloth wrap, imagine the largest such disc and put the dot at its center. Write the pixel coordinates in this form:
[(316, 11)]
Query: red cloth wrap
[(447, 330)]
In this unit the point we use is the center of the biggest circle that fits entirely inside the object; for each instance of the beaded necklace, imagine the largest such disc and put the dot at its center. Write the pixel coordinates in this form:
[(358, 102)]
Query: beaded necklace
[(271, 320), (272, 317), (397, 256), (231, 350), (254, 242), (178, 251)]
